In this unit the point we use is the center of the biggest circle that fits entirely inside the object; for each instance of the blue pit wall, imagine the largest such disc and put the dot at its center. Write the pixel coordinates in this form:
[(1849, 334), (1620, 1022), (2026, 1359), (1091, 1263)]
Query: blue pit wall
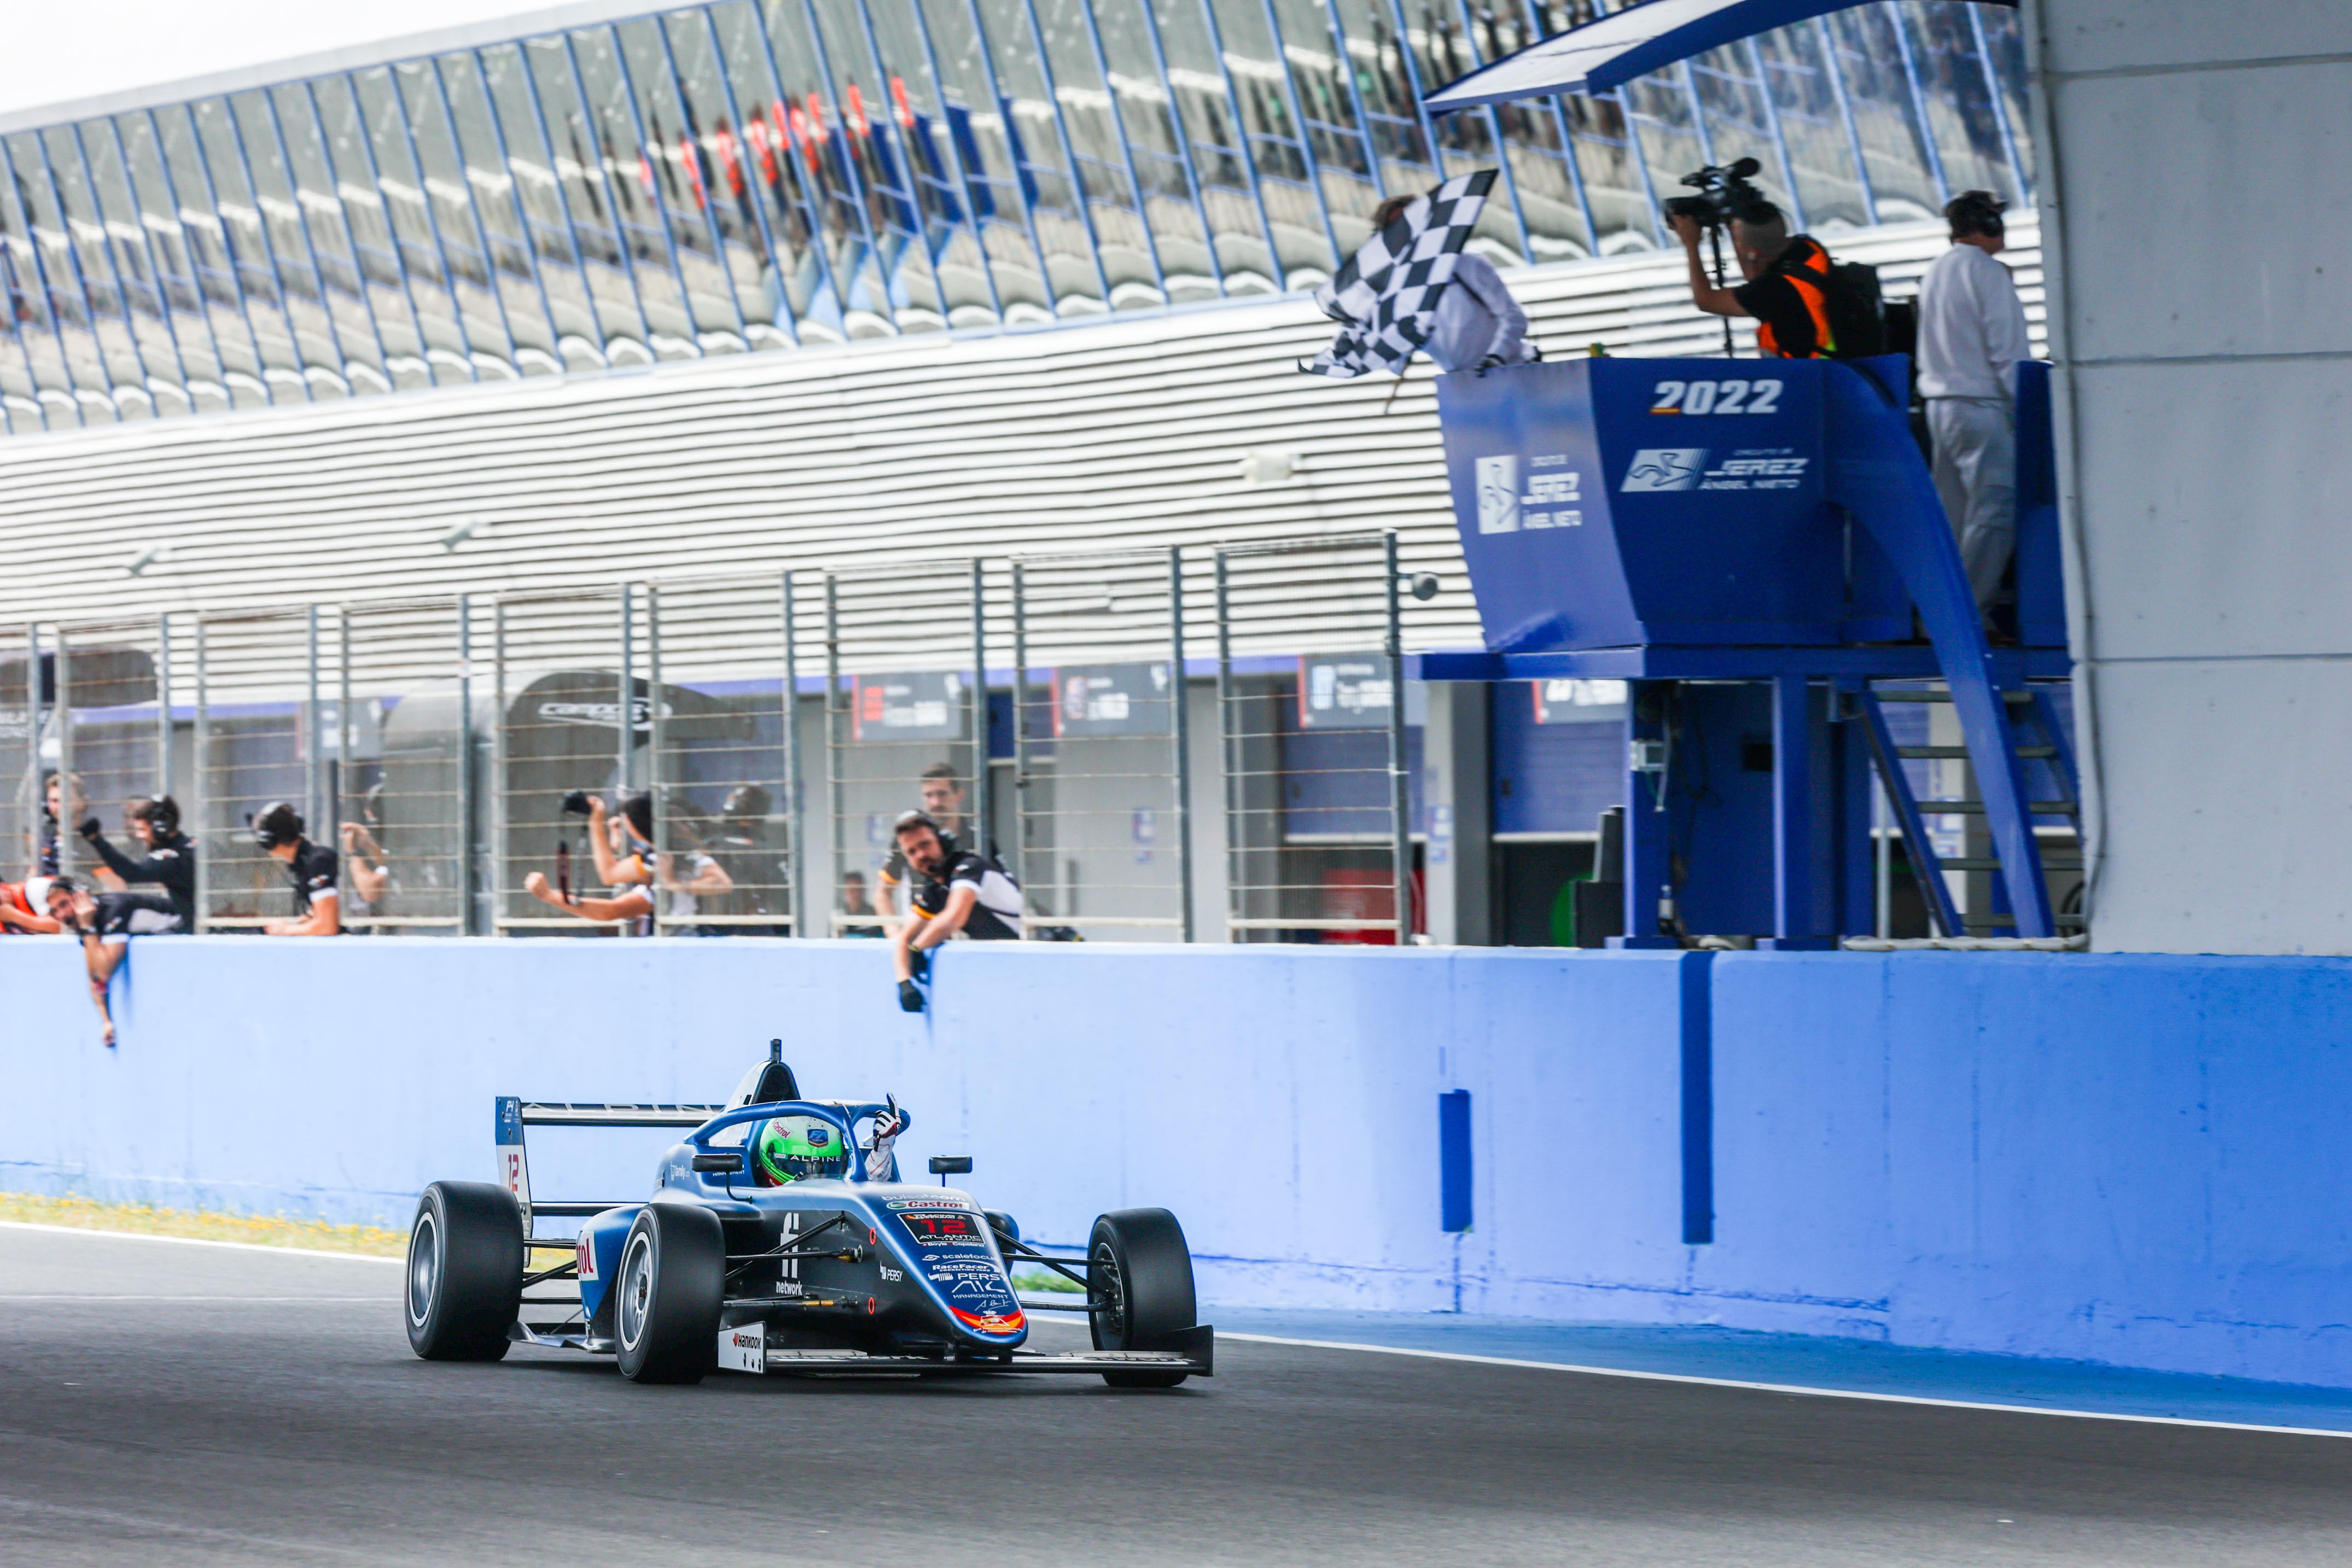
[(2141, 1161)]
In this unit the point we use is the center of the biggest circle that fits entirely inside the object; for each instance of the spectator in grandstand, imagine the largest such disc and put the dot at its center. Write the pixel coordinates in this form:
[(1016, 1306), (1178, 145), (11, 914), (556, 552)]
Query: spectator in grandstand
[(311, 867), (956, 892), (941, 794), (856, 907), (24, 908), (1786, 287), (1971, 339), (364, 862), (168, 860), (1478, 324), (106, 922)]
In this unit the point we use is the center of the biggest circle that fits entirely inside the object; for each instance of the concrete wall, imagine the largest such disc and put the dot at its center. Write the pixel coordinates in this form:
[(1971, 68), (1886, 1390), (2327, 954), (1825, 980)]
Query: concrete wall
[(2130, 1159), (2203, 392)]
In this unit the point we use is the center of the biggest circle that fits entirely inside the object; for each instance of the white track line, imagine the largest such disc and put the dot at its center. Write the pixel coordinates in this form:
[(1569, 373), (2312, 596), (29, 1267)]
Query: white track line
[(1785, 1387), (193, 1241)]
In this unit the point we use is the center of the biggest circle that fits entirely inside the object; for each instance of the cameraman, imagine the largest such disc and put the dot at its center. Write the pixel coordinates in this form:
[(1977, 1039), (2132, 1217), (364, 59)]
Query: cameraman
[(1787, 291), (169, 862), (622, 845), (311, 867), (956, 890)]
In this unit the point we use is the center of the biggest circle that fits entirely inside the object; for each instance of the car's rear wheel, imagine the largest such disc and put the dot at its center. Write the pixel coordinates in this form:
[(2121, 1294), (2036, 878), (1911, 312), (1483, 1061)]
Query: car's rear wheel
[(671, 1284), (1139, 1289), (464, 1272)]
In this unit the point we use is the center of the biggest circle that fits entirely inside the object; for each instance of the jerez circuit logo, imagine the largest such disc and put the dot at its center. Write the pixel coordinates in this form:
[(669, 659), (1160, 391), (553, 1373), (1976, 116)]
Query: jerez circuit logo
[(1666, 468)]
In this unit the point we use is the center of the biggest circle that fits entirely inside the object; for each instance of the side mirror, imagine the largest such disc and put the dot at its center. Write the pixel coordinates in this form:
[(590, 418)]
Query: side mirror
[(720, 1160), (951, 1165)]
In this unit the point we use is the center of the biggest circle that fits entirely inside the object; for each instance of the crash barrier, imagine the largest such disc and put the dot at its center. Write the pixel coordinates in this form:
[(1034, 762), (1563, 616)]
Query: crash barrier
[(448, 744), (2138, 1160)]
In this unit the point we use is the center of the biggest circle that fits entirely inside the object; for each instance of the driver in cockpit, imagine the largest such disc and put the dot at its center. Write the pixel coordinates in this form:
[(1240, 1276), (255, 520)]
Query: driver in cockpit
[(795, 1148)]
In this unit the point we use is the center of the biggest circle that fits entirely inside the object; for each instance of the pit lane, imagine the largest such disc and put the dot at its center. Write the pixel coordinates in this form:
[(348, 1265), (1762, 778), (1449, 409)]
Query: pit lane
[(165, 1403)]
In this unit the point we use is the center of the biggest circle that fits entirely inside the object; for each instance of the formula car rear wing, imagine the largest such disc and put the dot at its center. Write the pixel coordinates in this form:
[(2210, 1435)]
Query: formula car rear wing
[(515, 1114)]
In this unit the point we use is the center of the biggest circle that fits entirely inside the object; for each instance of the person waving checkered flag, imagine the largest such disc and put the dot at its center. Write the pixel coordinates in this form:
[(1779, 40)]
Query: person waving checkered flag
[(1386, 297)]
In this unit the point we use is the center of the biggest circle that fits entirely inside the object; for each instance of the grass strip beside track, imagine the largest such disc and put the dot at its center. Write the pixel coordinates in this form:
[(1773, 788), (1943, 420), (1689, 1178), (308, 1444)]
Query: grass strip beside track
[(198, 1225)]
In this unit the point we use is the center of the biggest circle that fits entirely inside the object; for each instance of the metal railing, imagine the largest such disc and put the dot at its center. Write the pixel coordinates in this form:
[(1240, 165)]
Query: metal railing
[(444, 746)]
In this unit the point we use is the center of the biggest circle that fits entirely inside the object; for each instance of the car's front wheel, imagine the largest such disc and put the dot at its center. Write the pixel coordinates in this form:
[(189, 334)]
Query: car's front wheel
[(671, 1284), (1139, 1289), (464, 1280)]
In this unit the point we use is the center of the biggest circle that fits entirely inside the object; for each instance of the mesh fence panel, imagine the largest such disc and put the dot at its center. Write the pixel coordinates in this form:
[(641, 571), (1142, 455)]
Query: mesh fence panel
[(1099, 844), (20, 724), (399, 740), (257, 742), (721, 762), (107, 730), (557, 663), (905, 723), (1304, 693)]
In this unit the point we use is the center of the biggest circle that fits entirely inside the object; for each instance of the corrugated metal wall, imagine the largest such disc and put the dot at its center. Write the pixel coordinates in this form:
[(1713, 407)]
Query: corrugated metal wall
[(1125, 433)]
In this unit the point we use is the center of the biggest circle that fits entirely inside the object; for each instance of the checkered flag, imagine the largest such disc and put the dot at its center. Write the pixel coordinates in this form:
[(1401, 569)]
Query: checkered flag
[(1386, 296)]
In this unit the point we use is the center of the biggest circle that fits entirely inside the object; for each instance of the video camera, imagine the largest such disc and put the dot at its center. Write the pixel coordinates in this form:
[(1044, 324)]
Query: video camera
[(1724, 194)]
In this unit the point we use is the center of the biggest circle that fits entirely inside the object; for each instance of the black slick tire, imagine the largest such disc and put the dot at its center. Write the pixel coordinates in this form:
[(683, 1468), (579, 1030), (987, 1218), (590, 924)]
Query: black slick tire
[(464, 1280), (1139, 1289), (671, 1284)]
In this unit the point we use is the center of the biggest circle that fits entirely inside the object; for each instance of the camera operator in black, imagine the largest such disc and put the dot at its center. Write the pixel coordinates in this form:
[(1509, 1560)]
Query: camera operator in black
[(311, 868), (169, 862), (956, 892)]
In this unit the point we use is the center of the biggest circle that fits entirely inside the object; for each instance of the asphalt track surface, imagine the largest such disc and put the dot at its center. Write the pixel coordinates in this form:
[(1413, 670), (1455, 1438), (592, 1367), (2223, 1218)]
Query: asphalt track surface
[(167, 1404)]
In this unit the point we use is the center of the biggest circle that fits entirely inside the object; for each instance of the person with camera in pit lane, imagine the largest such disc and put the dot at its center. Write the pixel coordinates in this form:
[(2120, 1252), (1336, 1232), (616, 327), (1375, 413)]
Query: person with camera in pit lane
[(956, 892), (169, 861), (623, 843), (106, 922), (311, 867)]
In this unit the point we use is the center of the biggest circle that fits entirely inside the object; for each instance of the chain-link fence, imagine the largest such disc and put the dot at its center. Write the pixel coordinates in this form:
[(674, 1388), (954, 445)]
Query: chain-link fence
[(1099, 796), (1313, 734), (907, 725), (749, 742)]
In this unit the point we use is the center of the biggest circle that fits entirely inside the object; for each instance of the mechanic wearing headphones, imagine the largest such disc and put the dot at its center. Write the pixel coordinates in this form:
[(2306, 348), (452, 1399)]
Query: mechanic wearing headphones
[(318, 904), (169, 862), (956, 890), (105, 922)]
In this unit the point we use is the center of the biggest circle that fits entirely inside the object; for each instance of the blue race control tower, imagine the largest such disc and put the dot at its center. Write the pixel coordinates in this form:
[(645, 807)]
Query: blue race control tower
[(1757, 547)]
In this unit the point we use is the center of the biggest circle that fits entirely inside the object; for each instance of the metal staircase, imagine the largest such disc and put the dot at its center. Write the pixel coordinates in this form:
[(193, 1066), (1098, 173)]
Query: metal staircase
[(2033, 738)]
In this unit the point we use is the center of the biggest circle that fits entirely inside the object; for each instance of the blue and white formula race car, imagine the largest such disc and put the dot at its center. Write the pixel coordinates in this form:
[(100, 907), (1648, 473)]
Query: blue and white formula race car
[(776, 1240)]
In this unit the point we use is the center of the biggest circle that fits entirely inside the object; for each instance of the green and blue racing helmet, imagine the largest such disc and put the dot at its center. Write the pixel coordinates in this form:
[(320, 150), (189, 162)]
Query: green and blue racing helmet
[(794, 1148)]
